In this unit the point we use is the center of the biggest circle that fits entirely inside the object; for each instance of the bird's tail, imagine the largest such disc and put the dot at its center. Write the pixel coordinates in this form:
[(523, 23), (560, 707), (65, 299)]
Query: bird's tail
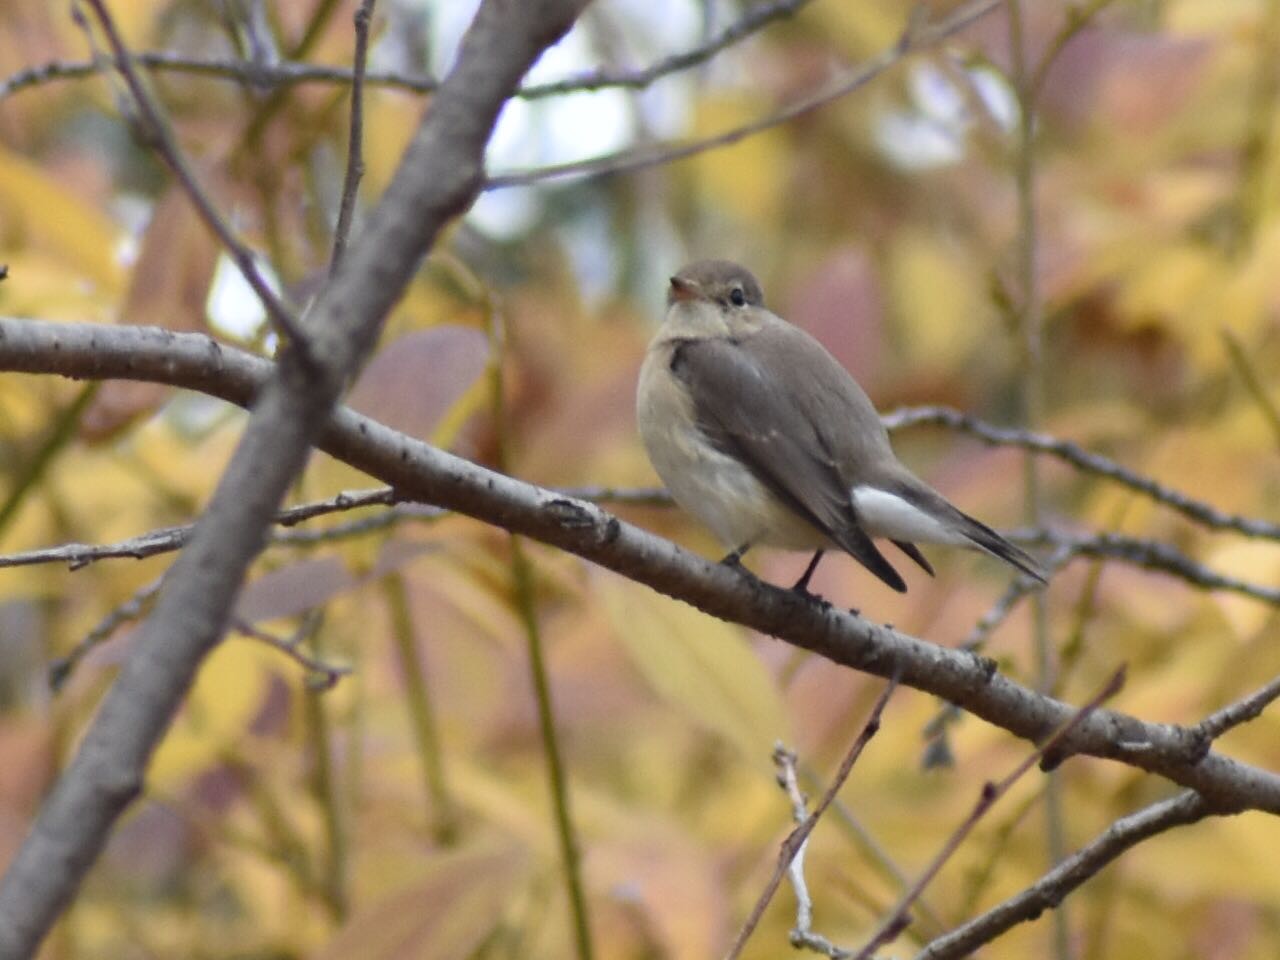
[(986, 539), (962, 529)]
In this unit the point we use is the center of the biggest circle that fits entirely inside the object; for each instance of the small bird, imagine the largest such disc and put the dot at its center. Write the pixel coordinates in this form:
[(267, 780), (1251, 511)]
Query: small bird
[(764, 437)]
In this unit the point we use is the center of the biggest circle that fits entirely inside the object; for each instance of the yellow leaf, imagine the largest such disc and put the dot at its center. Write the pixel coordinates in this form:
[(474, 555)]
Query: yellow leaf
[(1169, 281), (168, 288), (389, 122), (673, 882), (1232, 857), (938, 297), (1255, 561), (445, 915), (42, 283), (227, 695), (702, 665), (744, 179), (50, 217)]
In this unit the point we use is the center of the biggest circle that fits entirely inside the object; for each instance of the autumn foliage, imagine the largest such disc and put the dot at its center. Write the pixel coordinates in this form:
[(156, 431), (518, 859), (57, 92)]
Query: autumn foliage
[(361, 769)]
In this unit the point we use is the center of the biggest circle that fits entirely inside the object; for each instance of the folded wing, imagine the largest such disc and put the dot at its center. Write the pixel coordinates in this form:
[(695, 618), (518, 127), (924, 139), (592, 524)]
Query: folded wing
[(747, 410)]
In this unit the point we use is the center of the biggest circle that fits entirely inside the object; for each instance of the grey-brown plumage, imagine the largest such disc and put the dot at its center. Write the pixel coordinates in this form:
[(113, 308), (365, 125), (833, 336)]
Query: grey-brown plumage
[(760, 433)]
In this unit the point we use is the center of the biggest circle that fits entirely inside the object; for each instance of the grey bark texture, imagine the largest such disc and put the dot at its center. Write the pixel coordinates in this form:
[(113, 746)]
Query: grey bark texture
[(437, 180), (422, 472)]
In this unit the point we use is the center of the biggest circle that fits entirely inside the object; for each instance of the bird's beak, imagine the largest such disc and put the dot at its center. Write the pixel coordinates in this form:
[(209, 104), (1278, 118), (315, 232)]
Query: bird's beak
[(682, 289)]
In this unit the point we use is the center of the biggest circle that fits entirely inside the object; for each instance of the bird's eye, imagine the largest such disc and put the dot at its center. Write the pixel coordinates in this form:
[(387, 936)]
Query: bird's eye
[(737, 297)]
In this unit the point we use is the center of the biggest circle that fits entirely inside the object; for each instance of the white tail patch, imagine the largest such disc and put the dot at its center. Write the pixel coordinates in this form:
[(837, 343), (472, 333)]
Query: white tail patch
[(890, 517)]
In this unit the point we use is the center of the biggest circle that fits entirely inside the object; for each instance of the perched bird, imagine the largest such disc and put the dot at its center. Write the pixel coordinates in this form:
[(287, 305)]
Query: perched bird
[(760, 433)]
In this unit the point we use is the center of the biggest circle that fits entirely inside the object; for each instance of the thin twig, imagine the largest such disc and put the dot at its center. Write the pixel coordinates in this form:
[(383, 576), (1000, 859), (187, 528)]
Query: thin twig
[(441, 809), (1079, 16), (1252, 382), (322, 675), (581, 528), (167, 146), (1018, 589), (991, 792), (31, 469), (1083, 460), (1242, 711), (526, 604), (937, 749), (291, 72), (293, 413), (752, 21), (168, 539), (916, 37), (360, 527), (355, 141), (792, 848), (1150, 555), (1146, 554), (863, 838), (134, 608), (1050, 890), (802, 934), (1028, 317)]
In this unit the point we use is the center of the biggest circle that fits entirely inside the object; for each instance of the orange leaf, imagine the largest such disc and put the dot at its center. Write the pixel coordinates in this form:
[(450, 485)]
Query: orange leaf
[(445, 915), (169, 286)]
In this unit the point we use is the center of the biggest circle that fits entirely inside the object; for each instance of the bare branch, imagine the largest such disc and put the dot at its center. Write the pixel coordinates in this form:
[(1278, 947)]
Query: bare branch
[(284, 73), (290, 72), (168, 539), (1018, 588), (1086, 461), (135, 608), (167, 146), (1050, 890), (916, 37), (1153, 555), (793, 847), (1242, 711), (322, 675), (420, 471), (1079, 16), (863, 838), (759, 16), (900, 917), (355, 140), (437, 180), (1252, 382)]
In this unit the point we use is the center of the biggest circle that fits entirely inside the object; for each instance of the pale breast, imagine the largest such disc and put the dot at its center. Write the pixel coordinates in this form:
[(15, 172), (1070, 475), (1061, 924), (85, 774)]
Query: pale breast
[(714, 487)]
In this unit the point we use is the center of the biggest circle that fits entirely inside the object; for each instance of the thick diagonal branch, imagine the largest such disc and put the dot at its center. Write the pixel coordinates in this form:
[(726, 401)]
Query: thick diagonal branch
[(438, 178), (422, 472)]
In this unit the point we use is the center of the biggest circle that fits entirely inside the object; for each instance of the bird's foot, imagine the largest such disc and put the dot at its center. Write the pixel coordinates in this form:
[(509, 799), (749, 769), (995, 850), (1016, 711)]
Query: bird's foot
[(802, 585), (801, 589), (734, 557)]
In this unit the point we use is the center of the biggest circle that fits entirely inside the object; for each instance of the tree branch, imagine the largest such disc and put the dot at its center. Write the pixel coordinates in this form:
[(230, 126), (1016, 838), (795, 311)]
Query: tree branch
[(355, 137), (900, 917), (1152, 555), (290, 72), (791, 854), (1087, 461), (1047, 892), (420, 471), (438, 178), (165, 144), (916, 37)]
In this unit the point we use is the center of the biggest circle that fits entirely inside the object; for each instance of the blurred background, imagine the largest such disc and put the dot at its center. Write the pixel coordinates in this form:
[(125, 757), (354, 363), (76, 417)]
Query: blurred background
[(404, 811)]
